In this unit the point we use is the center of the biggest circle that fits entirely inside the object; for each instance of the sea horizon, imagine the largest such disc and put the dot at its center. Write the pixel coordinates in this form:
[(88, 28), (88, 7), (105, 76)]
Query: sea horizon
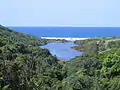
[(72, 32)]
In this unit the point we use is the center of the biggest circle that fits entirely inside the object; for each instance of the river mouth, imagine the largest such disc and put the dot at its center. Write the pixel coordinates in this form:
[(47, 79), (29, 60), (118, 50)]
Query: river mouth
[(62, 51)]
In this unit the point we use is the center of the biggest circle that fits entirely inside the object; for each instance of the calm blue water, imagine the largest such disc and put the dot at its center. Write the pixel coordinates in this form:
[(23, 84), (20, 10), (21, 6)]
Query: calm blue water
[(69, 31), (62, 50)]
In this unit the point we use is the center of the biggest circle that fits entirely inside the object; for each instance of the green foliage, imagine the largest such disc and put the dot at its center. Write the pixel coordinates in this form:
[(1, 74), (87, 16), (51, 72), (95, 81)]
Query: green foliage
[(114, 44), (5, 87), (22, 61), (13, 37)]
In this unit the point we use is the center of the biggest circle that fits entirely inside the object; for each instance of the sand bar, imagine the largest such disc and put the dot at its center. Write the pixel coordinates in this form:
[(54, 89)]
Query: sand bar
[(65, 38)]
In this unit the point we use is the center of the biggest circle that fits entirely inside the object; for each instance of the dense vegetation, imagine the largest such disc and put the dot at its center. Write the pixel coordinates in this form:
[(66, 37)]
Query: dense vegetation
[(11, 37), (97, 44), (25, 66)]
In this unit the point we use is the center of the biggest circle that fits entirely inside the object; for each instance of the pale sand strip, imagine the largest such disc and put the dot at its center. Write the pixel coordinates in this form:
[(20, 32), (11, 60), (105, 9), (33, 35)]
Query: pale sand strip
[(67, 38)]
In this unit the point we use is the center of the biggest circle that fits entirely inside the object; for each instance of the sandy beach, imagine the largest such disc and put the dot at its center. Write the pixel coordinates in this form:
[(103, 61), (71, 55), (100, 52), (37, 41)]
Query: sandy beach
[(67, 38)]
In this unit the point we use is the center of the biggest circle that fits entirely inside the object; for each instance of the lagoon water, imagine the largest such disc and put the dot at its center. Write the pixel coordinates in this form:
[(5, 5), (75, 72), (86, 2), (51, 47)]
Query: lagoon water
[(62, 50)]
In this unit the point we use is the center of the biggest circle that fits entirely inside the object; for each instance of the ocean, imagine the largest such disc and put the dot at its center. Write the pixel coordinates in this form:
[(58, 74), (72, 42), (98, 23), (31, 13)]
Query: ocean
[(77, 32)]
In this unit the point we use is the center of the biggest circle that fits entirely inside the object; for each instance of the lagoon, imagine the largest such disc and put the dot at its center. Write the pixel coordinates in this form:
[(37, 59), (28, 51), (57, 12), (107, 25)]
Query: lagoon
[(62, 50)]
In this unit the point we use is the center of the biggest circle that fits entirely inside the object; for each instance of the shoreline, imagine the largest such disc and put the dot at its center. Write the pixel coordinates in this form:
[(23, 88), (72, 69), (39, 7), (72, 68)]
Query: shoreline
[(64, 38)]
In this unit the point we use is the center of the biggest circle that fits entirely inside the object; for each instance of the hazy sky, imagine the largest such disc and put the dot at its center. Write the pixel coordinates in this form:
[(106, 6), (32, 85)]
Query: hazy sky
[(98, 13)]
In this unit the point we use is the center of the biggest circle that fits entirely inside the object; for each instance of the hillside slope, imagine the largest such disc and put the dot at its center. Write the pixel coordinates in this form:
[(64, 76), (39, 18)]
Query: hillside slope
[(22, 61), (16, 37)]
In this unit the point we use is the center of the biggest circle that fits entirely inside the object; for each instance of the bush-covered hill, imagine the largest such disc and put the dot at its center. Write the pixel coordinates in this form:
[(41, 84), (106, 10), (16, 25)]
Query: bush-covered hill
[(10, 37), (22, 62)]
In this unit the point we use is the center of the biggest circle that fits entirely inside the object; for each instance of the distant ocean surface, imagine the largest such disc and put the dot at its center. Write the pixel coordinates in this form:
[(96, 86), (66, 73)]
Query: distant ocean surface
[(69, 31)]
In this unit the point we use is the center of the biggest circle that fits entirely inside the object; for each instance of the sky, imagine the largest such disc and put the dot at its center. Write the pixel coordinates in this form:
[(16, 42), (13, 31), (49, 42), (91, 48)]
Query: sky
[(75, 13)]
